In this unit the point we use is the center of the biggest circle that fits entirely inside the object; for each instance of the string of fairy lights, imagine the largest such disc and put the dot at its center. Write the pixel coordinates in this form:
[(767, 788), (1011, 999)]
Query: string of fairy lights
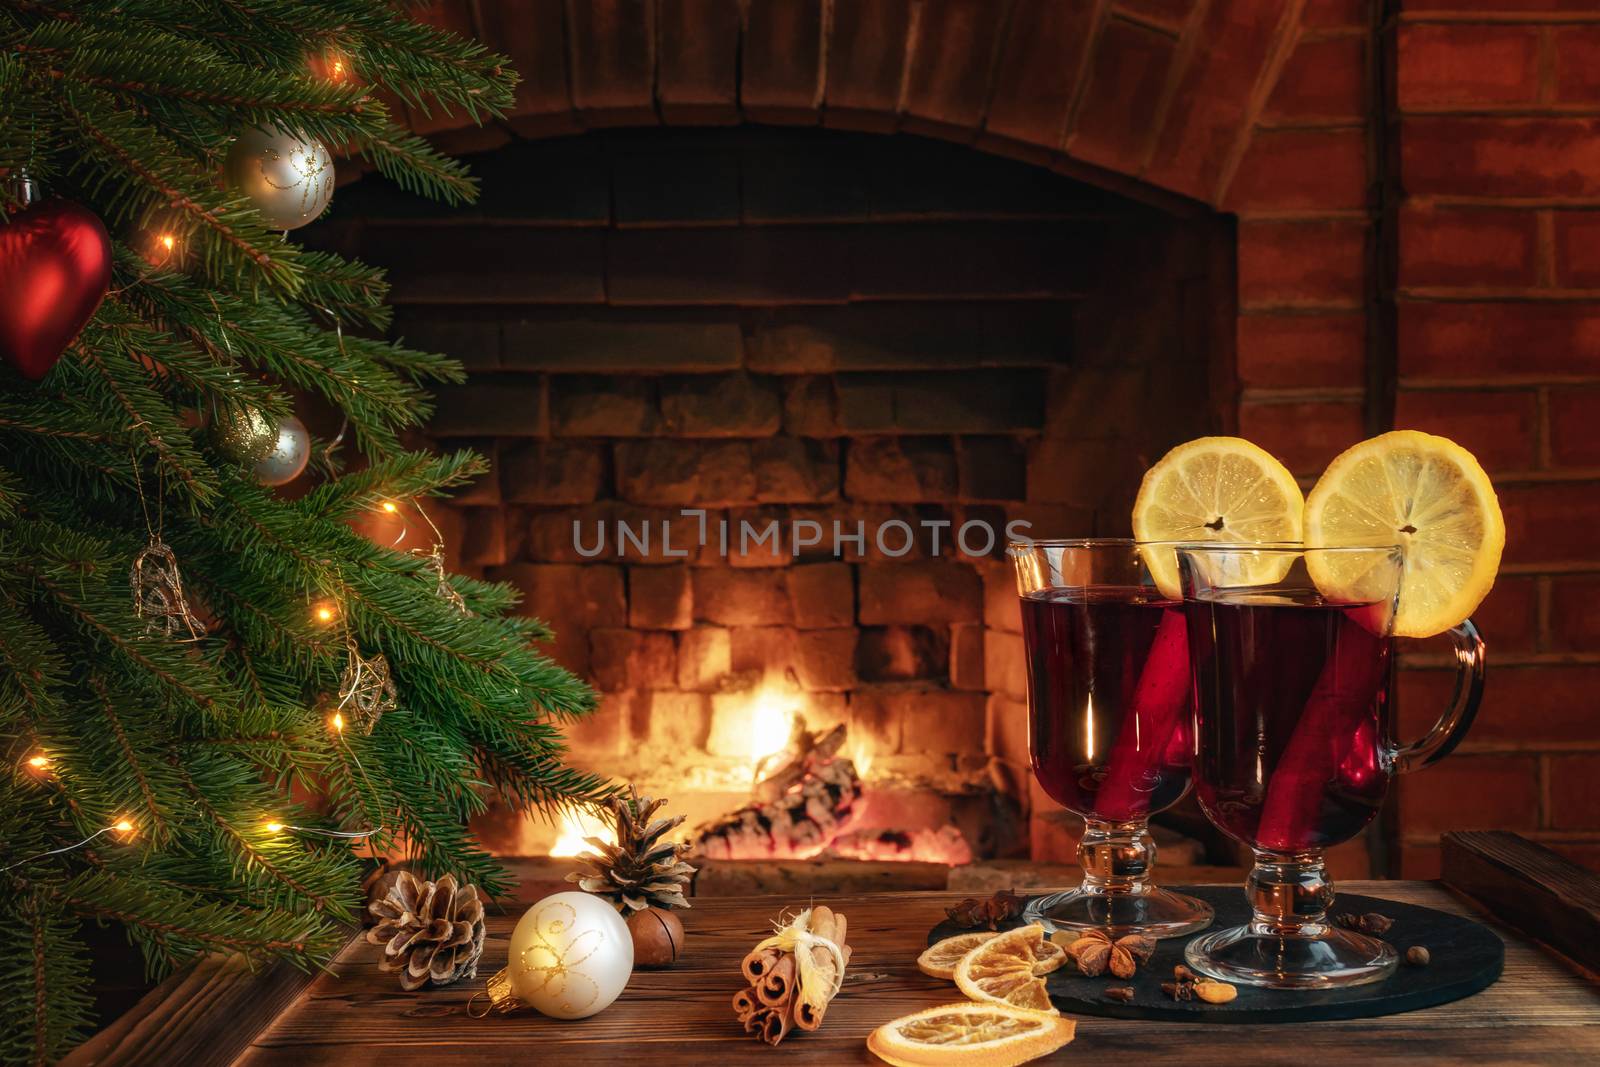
[(40, 766)]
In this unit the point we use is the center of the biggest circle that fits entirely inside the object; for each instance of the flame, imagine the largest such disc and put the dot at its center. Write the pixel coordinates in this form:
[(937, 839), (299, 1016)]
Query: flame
[(861, 755), (577, 825), (772, 715)]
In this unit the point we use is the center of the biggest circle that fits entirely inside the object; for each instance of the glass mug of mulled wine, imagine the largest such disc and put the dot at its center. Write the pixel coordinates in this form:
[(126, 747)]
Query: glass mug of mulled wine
[(1109, 730), (1291, 653)]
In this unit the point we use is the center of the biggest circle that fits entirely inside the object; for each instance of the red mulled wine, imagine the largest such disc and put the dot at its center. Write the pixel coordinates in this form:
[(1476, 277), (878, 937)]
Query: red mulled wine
[(1108, 685), (1290, 700)]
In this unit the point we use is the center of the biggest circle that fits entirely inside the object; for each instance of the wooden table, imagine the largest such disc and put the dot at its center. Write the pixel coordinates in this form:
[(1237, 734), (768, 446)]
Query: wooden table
[(1539, 1012), (1544, 1010)]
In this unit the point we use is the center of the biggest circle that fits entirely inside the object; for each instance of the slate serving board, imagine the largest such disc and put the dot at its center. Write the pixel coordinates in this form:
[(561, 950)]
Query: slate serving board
[(1467, 957)]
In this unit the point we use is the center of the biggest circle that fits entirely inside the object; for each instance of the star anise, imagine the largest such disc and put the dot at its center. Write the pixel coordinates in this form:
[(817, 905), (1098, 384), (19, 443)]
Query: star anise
[(1372, 922), (1095, 953), (989, 914)]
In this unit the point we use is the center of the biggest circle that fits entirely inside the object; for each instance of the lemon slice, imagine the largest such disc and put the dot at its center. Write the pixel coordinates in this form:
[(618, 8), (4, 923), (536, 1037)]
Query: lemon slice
[(990, 1035), (940, 958), (1000, 971), (1424, 493), (1216, 489)]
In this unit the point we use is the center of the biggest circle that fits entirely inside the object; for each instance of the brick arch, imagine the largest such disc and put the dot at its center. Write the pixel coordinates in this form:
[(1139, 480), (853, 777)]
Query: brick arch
[(1147, 97), (1262, 109)]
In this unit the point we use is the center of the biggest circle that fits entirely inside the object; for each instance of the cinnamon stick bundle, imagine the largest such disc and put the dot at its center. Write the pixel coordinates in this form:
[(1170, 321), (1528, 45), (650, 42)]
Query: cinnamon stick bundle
[(793, 976)]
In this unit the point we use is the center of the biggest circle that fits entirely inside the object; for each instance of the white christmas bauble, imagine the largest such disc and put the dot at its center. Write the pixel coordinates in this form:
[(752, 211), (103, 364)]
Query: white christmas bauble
[(290, 181), (571, 954), (290, 452)]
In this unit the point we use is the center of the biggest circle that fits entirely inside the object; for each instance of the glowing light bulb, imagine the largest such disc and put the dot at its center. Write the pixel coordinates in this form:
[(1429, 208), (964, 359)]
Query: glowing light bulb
[(167, 241), (338, 68), (122, 826), (323, 612), (39, 762), (390, 506), (274, 827), (337, 722)]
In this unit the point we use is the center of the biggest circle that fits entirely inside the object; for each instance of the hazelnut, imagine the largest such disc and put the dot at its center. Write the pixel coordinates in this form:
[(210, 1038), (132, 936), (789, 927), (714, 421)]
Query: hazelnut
[(657, 937), (1418, 956)]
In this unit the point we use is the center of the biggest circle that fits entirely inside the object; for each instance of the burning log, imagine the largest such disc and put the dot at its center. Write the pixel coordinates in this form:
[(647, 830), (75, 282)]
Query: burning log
[(798, 810)]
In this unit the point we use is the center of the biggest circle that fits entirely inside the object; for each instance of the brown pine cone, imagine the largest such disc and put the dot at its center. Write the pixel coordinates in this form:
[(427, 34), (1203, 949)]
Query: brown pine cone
[(430, 931)]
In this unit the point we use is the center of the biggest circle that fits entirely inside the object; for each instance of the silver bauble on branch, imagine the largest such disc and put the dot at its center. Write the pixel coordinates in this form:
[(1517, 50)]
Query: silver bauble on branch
[(290, 181), (244, 434), (288, 456)]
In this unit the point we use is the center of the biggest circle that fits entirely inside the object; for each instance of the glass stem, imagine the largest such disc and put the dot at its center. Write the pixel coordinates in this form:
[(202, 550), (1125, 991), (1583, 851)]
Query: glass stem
[(1289, 892), (1116, 857)]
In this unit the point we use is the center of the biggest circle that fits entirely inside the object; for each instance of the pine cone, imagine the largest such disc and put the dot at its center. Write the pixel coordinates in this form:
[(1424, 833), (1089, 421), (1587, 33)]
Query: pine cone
[(641, 870), (430, 931)]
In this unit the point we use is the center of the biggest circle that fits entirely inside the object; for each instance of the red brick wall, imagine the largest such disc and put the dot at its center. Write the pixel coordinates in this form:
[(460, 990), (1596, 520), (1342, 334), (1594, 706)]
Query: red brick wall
[(1434, 269), (1498, 314)]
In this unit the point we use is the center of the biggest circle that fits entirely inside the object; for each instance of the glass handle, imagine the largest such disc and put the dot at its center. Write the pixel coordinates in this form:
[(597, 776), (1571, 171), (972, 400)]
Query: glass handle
[(1452, 725)]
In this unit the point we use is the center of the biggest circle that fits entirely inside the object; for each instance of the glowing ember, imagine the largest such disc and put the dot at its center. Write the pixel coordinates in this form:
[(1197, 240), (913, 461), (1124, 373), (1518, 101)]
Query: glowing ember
[(577, 825), (944, 845)]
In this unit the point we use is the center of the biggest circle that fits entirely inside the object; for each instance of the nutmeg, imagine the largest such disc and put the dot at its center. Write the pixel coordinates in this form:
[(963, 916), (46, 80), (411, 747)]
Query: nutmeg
[(657, 937)]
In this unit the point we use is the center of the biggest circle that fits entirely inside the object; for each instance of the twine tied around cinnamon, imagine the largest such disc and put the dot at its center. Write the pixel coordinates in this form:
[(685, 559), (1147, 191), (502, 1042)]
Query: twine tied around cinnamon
[(797, 938)]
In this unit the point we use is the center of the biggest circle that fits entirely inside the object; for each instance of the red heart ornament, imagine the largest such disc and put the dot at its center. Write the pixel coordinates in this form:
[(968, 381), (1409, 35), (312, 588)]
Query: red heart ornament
[(55, 267)]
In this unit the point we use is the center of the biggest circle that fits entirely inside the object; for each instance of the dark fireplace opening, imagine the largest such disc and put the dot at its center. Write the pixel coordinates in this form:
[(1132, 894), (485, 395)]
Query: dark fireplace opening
[(762, 406)]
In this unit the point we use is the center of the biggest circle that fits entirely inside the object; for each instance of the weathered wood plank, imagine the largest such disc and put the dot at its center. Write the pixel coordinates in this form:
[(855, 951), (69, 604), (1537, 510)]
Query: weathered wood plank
[(206, 1015), (1527, 886), (1540, 1012)]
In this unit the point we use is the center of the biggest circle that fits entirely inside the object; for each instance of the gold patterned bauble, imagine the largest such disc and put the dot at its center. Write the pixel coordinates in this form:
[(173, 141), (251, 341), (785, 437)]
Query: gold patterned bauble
[(245, 435), (570, 956), (290, 181)]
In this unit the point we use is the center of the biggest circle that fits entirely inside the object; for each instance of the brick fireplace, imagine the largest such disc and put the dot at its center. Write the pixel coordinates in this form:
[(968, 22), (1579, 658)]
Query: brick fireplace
[(762, 407), (1408, 195)]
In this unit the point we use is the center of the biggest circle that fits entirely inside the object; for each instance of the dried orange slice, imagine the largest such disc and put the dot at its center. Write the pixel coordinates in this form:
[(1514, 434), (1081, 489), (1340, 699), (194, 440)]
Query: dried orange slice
[(1048, 957), (940, 958), (969, 1035), (1000, 971)]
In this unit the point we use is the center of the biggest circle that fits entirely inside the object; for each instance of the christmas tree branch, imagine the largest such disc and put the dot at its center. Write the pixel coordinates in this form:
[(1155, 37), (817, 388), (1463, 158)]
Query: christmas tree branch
[(156, 826), (121, 143)]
